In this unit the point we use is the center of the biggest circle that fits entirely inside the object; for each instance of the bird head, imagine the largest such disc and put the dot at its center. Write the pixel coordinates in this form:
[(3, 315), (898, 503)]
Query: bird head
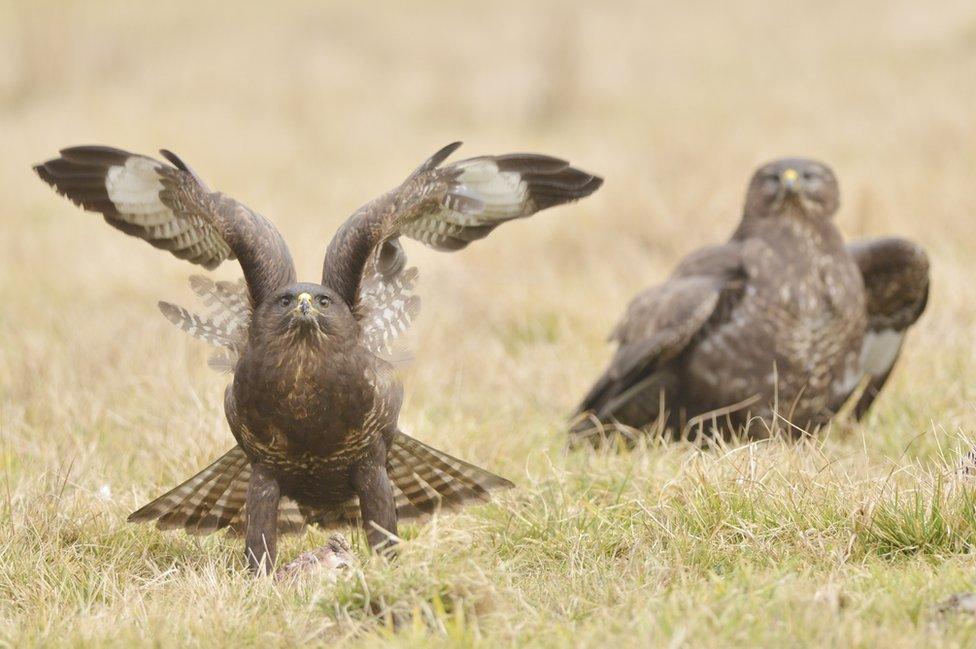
[(307, 309), (793, 186)]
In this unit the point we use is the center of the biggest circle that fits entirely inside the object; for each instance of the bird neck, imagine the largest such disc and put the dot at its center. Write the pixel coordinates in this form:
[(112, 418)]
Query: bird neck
[(303, 341), (791, 227)]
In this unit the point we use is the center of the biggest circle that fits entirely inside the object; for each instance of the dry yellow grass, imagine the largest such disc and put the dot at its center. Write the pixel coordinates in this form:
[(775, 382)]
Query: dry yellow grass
[(309, 109)]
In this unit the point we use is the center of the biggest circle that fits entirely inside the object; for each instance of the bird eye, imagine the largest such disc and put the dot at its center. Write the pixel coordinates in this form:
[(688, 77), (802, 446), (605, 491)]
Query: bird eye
[(285, 301), (809, 175), (324, 300)]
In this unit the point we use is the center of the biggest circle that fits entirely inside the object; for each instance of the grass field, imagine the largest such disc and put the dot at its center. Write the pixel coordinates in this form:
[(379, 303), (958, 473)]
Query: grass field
[(307, 110)]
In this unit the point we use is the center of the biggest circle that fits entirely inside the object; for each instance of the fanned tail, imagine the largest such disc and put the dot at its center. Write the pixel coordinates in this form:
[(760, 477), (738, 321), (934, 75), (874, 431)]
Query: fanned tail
[(213, 499), (425, 481)]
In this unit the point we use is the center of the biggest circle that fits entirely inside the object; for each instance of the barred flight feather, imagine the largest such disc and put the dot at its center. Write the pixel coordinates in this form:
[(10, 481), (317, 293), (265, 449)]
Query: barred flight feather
[(223, 362), (205, 330), (227, 321), (387, 307), (227, 301), (130, 191), (430, 479), (484, 192)]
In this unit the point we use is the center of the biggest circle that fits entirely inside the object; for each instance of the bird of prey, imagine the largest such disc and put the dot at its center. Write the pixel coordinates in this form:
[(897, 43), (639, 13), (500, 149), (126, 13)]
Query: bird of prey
[(784, 320), (313, 405)]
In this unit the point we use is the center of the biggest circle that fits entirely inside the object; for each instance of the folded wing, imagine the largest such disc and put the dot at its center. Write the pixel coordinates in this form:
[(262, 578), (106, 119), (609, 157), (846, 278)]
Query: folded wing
[(896, 284), (659, 324)]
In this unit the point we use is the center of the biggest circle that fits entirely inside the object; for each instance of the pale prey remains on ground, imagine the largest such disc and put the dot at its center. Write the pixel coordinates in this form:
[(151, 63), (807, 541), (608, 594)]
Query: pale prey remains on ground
[(783, 322), (313, 406)]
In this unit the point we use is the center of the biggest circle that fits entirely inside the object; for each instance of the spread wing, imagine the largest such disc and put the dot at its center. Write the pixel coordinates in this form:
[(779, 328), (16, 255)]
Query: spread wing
[(896, 283), (171, 208), (659, 324), (446, 208)]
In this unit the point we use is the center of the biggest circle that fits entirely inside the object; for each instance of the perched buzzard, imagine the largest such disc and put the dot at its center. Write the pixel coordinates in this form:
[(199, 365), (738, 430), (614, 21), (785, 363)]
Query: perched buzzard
[(783, 319), (312, 405)]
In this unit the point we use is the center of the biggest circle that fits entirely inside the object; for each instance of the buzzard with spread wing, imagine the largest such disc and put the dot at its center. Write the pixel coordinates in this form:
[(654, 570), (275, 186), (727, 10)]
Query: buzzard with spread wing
[(313, 405), (783, 320)]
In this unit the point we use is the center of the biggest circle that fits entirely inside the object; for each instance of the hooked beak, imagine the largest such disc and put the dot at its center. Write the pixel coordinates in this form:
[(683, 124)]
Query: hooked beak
[(788, 180), (304, 306)]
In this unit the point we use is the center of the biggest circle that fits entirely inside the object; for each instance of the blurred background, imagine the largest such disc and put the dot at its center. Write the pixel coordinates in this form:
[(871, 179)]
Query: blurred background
[(306, 110)]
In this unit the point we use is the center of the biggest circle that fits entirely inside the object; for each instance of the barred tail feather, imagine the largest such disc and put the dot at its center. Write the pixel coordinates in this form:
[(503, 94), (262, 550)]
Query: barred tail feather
[(213, 499), (426, 480)]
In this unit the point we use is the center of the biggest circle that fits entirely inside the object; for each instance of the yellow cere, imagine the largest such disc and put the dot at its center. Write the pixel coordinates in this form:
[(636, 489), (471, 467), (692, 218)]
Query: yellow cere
[(304, 297), (790, 175)]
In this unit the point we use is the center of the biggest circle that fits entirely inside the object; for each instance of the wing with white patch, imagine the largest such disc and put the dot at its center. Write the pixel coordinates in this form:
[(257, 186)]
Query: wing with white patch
[(896, 285), (480, 194), (172, 209), (448, 207)]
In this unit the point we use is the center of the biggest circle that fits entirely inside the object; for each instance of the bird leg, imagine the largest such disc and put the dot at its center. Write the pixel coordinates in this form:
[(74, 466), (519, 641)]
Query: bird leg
[(261, 531), (376, 503)]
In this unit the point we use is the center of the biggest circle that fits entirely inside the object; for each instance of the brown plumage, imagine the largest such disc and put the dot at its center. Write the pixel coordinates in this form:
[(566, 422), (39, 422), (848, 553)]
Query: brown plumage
[(313, 405), (784, 320)]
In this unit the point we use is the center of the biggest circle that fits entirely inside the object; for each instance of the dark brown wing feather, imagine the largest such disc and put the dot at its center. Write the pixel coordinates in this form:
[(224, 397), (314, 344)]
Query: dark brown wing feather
[(896, 284), (659, 325), (896, 281), (448, 207), (171, 208)]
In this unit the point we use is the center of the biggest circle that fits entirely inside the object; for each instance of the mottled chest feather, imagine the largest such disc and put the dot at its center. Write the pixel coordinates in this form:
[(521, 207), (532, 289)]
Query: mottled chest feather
[(307, 404), (800, 321)]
